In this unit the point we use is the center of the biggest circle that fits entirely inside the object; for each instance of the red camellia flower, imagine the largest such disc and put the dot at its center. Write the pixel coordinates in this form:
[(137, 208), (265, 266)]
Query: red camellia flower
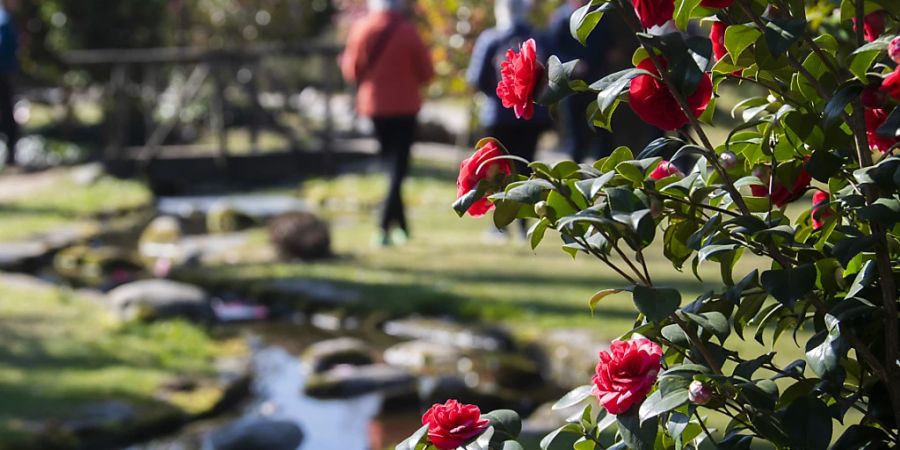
[(717, 36), (894, 50), (651, 100), (873, 25), (872, 96), (626, 373), (891, 85), (781, 195), (654, 12), (519, 75), (469, 175), (820, 210), (875, 117), (716, 3), (453, 424), (663, 170)]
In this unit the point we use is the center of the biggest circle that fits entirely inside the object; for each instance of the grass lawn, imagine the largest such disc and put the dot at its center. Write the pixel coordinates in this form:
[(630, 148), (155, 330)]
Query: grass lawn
[(61, 350), (62, 202)]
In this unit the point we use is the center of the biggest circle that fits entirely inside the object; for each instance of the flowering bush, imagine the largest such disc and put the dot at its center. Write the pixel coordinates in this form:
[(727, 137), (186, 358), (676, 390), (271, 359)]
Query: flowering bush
[(825, 123)]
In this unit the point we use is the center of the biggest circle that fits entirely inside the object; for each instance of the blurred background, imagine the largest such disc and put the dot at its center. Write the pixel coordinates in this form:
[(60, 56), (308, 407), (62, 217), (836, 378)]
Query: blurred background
[(186, 235)]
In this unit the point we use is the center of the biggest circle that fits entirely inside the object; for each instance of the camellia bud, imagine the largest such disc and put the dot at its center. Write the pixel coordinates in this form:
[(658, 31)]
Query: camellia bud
[(699, 393), (894, 50), (728, 160), (540, 208)]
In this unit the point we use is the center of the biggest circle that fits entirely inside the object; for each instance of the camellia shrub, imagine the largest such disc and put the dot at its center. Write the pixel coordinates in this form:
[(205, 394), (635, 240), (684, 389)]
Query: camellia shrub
[(805, 186)]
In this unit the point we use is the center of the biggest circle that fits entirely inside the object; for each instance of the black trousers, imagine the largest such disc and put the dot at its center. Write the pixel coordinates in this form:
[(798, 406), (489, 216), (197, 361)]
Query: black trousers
[(8, 125), (395, 138), (520, 139)]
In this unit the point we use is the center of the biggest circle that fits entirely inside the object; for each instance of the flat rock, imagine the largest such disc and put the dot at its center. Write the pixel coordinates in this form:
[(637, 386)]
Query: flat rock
[(571, 355), (324, 355), (345, 381), (160, 299), (257, 434), (450, 333), (422, 356), (313, 290), (14, 254), (256, 206)]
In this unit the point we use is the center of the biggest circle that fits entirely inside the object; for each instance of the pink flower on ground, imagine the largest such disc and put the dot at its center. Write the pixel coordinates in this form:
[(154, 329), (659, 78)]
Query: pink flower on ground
[(626, 373)]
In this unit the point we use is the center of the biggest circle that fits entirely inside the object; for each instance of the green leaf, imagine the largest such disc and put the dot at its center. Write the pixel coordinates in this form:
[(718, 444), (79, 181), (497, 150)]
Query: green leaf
[(583, 21), (808, 423), (528, 192), (781, 34), (738, 38), (412, 442), (657, 404), (547, 441), (536, 232), (637, 435), (825, 350), (863, 279), (861, 437), (713, 322), (512, 445), (618, 155), (656, 303), (505, 213), (683, 11), (789, 285), (835, 107), (823, 165), (558, 76), (601, 295), (462, 204), (573, 397), (891, 127), (862, 58), (506, 422)]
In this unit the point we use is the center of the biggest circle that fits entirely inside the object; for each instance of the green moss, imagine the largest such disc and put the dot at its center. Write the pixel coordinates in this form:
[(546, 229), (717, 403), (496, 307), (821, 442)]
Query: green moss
[(65, 202), (61, 350)]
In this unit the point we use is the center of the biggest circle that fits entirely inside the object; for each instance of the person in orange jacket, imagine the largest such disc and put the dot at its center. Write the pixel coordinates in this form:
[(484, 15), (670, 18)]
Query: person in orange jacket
[(387, 60)]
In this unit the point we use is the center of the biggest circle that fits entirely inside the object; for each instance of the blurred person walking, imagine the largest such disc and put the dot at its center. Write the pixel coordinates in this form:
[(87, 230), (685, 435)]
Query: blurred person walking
[(9, 64), (387, 60), (519, 136), (577, 138)]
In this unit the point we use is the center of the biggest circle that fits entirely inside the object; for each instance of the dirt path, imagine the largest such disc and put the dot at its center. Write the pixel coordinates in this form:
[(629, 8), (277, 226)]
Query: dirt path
[(17, 185)]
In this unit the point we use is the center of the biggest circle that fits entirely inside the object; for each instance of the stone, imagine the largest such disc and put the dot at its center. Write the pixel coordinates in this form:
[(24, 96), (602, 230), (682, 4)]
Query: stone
[(315, 291), (325, 355), (101, 415), (345, 381), (224, 218), (87, 174), (450, 333), (421, 356), (259, 207), (300, 235), (160, 237), (441, 389), (104, 267), (256, 434), (161, 299)]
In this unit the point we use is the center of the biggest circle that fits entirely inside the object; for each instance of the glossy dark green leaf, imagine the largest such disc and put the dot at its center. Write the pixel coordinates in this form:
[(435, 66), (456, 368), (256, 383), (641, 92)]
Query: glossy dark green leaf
[(839, 101), (637, 435), (413, 441), (656, 303), (789, 285), (824, 164), (559, 75), (861, 437), (507, 424), (781, 34), (826, 349), (890, 129), (657, 404), (528, 192), (808, 423), (574, 397)]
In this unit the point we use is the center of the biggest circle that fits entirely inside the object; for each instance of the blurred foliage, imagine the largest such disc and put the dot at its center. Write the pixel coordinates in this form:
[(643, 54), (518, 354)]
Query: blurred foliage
[(51, 27)]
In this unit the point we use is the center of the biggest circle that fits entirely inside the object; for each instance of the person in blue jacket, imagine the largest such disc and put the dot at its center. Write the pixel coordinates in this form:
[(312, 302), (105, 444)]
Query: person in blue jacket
[(9, 64), (519, 136), (578, 139)]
